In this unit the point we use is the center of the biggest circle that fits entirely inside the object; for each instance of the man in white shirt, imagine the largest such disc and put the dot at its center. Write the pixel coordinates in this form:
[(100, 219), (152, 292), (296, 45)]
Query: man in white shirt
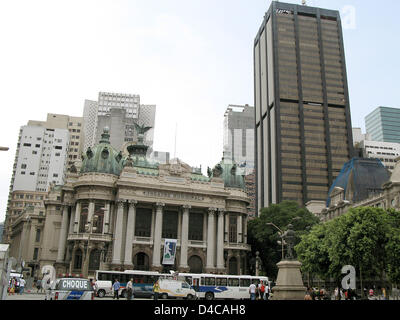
[(21, 285), (252, 291)]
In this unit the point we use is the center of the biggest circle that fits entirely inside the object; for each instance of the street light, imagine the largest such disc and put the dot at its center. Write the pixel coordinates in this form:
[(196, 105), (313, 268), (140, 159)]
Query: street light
[(4, 148), (280, 232)]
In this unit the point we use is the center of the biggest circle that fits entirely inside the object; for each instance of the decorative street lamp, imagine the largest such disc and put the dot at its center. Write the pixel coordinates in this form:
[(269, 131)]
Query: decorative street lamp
[(280, 233)]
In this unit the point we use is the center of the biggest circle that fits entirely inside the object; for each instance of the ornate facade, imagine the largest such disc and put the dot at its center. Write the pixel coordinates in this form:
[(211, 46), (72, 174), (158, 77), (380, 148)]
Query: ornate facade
[(115, 210)]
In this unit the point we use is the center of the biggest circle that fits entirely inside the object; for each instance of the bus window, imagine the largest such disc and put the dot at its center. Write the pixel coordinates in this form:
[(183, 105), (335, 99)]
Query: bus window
[(196, 284), (210, 281), (140, 278), (245, 283), (188, 280), (222, 281), (233, 282)]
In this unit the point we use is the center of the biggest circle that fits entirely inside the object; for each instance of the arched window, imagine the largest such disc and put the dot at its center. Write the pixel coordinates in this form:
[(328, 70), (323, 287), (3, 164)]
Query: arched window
[(195, 264), (233, 266), (141, 261), (94, 260), (78, 259)]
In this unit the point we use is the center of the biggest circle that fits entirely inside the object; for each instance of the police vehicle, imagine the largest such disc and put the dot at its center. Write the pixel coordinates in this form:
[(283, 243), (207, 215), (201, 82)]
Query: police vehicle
[(70, 289)]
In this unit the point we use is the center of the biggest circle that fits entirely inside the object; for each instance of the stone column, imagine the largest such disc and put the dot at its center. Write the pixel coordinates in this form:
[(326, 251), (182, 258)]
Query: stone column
[(106, 222), (239, 228), (118, 233), (77, 216), (245, 229), (90, 215), (220, 241), (157, 234), (63, 235), (130, 231), (211, 239), (227, 227), (71, 221), (184, 237)]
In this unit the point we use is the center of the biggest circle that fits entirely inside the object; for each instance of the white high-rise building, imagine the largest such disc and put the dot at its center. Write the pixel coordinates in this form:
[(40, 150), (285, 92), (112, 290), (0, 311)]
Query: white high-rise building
[(90, 111), (41, 158), (119, 112)]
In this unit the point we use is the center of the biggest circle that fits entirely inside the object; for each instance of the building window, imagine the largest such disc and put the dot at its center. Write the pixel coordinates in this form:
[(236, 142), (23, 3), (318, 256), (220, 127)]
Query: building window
[(143, 222), (37, 235), (196, 226), (78, 259), (94, 260), (232, 228), (35, 254), (170, 225), (83, 217), (98, 218)]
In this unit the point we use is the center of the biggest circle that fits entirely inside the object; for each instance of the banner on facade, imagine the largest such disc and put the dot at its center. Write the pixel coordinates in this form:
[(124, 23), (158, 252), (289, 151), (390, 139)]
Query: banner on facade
[(169, 251)]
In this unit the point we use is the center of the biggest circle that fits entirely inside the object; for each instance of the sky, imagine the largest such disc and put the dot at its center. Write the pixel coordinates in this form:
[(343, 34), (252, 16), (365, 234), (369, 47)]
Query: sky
[(191, 58)]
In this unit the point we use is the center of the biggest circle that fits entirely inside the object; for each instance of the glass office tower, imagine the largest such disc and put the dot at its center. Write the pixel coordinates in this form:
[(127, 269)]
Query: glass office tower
[(302, 112), (383, 124)]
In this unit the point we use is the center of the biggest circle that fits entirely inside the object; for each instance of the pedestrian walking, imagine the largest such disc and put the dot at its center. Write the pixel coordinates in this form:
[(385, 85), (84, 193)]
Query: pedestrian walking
[(252, 291), (116, 286), (156, 290), (308, 294), (336, 293), (39, 285), (129, 288), (383, 293), (261, 290), (21, 285)]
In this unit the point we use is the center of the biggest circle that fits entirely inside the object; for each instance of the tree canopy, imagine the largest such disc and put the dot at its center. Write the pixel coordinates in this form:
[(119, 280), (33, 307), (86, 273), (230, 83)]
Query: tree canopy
[(263, 237), (367, 238)]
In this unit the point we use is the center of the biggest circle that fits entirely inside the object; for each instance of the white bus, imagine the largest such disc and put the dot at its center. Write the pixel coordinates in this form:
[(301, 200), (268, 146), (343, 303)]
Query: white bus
[(143, 281), (207, 286), (216, 286)]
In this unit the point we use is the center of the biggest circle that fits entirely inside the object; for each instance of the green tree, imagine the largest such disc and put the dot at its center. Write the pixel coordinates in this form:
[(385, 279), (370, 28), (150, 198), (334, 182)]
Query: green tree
[(392, 248), (312, 251), (263, 237), (365, 237)]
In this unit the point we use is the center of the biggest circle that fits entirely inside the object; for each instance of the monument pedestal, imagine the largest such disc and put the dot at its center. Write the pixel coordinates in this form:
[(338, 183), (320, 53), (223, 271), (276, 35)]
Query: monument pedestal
[(289, 284)]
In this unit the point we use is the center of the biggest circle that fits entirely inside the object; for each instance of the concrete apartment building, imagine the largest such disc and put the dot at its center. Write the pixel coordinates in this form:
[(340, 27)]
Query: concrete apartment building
[(44, 150), (302, 111), (383, 124)]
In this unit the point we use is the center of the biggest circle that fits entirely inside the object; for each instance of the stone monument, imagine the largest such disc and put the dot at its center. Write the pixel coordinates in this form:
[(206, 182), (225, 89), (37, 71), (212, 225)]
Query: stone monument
[(289, 283)]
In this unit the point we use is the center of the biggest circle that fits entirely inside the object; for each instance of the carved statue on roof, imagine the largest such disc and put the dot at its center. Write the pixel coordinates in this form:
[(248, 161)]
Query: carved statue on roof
[(217, 171)]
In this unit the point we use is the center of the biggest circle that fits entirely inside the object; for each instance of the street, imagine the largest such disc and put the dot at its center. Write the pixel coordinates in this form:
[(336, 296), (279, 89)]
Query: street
[(41, 296)]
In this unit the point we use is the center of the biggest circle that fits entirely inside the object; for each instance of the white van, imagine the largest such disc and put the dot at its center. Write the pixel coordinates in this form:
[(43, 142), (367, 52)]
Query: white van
[(176, 289), (103, 288)]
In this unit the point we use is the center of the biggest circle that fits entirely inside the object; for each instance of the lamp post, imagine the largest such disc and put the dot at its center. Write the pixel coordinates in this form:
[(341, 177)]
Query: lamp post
[(280, 232)]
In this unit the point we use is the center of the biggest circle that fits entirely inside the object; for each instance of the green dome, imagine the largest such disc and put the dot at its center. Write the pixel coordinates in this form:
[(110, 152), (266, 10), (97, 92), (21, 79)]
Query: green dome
[(103, 158), (227, 170)]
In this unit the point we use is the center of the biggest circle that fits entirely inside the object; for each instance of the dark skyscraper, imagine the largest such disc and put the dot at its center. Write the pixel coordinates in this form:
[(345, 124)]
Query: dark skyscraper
[(302, 111)]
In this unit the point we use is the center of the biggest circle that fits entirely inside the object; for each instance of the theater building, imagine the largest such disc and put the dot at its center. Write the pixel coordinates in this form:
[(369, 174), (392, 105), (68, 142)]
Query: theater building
[(116, 209)]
